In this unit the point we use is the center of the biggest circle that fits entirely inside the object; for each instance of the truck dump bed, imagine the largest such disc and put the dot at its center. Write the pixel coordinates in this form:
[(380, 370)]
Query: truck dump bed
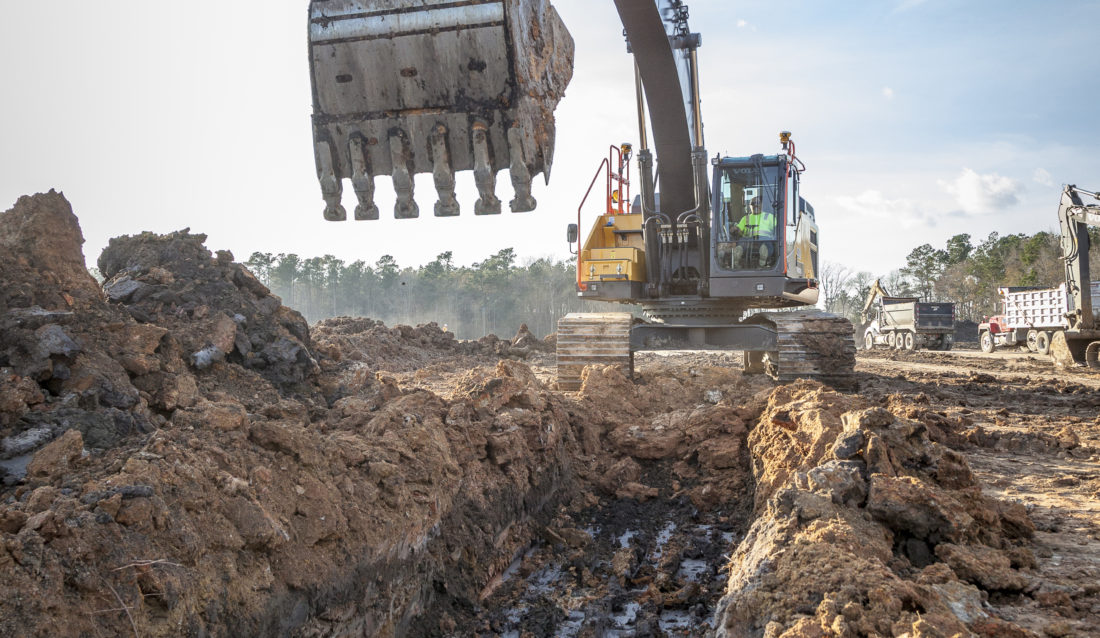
[(922, 317), (1040, 307)]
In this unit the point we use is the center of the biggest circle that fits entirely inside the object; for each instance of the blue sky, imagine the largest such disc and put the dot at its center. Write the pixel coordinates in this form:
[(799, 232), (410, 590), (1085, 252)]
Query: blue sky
[(917, 120)]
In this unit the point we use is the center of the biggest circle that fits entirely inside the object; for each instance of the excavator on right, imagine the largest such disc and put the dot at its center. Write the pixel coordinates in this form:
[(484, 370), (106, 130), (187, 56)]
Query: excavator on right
[(1079, 343), (438, 86)]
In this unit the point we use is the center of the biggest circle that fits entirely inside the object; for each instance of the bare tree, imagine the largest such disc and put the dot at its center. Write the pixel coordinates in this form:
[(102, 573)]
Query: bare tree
[(834, 280)]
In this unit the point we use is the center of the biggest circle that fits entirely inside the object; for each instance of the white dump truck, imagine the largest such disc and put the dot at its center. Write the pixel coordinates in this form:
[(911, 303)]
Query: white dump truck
[(1031, 317)]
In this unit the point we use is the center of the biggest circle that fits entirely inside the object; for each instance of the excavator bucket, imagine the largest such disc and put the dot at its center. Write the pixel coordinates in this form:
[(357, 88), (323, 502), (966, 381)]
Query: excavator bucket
[(402, 87)]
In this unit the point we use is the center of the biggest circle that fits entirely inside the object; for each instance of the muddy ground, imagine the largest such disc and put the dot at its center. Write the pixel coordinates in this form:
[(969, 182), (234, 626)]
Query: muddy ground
[(183, 456)]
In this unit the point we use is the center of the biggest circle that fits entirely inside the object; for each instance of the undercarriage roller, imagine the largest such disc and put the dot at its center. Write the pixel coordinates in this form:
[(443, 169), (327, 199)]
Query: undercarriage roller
[(402, 87)]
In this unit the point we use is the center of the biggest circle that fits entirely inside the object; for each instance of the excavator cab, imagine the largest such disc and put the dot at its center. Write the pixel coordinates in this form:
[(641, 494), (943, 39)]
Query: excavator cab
[(763, 230)]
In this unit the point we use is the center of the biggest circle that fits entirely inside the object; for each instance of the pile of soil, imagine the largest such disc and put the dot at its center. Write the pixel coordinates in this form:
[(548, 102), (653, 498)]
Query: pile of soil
[(214, 308), (368, 344), (866, 524)]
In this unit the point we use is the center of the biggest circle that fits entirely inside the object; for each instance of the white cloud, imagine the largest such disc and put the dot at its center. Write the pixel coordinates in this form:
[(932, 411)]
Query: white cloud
[(887, 93), (741, 24), (873, 204), (1043, 177), (976, 193)]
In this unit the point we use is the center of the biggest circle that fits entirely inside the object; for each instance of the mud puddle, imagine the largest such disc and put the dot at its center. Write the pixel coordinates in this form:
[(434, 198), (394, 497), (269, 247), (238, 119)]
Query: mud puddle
[(622, 569)]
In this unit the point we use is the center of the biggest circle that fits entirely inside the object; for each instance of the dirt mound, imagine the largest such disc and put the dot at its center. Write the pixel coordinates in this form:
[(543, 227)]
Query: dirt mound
[(43, 261), (367, 343), (67, 360), (865, 526), (216, 309)]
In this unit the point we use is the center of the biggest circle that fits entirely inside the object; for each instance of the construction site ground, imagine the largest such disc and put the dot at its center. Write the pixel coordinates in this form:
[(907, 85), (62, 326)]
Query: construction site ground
[(184, 456)]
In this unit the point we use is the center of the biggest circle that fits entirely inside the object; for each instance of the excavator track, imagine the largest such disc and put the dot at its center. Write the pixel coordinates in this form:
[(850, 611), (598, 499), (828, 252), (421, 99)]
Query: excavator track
[(586, 339), (811, 345)]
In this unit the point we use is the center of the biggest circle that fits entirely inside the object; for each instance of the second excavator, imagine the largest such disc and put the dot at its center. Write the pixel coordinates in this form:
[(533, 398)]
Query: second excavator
[(403, 87)]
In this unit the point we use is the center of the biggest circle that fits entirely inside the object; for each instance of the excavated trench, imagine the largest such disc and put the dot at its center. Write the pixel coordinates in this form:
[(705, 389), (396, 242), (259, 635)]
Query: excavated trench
[(629, 537), (559, 567)]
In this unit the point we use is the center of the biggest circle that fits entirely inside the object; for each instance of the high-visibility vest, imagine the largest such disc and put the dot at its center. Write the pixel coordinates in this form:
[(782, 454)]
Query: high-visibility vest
[(762, 225)]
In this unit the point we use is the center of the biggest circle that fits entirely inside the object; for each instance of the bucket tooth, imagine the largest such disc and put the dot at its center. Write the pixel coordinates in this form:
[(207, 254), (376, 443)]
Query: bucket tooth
[(447, 205), (521, 175), (331, 188), (401, 155), (484, 175), (362, 180)]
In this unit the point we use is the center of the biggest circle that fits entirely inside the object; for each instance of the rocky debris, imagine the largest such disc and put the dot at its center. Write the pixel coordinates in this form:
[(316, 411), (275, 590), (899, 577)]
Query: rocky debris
[(216, 310), (855, 509), (63, 349)]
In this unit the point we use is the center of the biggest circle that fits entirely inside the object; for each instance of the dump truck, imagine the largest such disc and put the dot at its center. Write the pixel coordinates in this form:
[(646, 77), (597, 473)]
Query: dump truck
[(906, 323), (402, 87), (1030, 317)]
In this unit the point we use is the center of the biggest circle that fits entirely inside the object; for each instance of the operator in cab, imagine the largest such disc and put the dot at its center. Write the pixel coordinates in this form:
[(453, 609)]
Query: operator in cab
[(755, 230)]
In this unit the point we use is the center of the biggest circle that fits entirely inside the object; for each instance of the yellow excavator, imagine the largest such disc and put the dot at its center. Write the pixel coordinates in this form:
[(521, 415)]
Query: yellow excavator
[(402, 87)]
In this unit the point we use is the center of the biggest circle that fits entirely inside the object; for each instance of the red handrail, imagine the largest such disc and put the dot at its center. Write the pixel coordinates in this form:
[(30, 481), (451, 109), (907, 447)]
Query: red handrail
[(604, 163), (614, 158)]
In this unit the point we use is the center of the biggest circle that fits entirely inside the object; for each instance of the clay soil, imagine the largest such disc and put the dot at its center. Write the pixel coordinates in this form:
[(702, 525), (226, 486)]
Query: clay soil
[(183, 456)]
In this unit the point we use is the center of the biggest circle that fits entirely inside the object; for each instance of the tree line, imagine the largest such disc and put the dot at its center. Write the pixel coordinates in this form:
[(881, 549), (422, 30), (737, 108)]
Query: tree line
[(497, 295), (961, 272), (494, 296)]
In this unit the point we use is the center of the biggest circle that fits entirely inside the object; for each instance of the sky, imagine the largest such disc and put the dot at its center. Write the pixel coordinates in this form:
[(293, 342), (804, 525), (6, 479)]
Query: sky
[(917, 120)]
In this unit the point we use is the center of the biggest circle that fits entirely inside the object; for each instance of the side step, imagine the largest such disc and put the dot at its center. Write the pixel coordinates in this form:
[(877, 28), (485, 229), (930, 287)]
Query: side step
[(586, 339)]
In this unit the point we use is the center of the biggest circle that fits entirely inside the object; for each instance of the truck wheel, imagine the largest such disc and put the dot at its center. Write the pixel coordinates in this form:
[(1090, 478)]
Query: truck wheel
[(1033, 340), (899, 341), (1092, 355), (868, 341), (1042, 343), (910, 342), (890, 339), (986, 341)]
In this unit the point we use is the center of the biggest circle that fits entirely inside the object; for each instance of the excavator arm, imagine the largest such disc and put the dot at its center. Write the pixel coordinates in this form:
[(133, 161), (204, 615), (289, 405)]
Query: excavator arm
[(402, 87), (876, 291), (1075, 217)]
